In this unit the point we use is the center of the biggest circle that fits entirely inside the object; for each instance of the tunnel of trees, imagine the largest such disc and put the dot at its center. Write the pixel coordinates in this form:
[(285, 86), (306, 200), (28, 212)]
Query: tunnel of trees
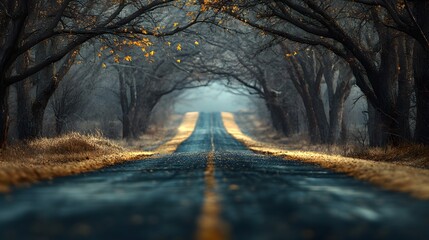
[(117, 64)]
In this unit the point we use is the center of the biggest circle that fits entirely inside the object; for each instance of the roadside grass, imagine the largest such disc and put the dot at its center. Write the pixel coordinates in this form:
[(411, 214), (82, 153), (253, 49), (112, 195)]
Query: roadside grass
[(397, 177), (412, 155), (407, 155), (73, 153), (184, 131), (46, 158), (155, 136)]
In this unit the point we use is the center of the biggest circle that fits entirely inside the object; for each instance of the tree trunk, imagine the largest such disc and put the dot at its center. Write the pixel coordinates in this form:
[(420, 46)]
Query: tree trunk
[(311, 121), (336, 111), (344, 131), (421, 74), (421, 77), (321, 120), (4, 114), (127, 97), (126, 127), (31, 110), (294, 119), (405, 88), (286, 123), (59, 126), (279, 117), (38, 112), (40, 103), (24, 115), (376, 129), (141, 123), (386, 88)]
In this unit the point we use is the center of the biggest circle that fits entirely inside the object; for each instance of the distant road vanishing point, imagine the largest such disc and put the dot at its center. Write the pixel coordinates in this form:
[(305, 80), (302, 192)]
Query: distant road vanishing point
[(212, 187)]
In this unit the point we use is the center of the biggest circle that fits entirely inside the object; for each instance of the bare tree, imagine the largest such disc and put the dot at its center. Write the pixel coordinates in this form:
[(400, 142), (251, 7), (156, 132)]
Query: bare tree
[(26, 25), (144, 82), (411, 17), (359, 38), (73, 95)]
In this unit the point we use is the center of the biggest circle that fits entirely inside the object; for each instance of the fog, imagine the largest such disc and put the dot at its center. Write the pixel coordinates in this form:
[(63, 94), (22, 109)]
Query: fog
[(213, 98)]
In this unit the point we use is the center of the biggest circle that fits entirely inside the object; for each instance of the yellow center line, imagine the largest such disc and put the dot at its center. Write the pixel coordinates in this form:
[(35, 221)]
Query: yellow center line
[(210, 225)]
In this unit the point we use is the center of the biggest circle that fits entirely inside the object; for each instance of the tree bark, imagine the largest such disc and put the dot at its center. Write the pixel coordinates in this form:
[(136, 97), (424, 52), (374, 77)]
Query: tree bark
[(321, 120), (336, 111), (128, 100), (405, 88), (421, 77), (24, 116), (278, 113), (145, 108), (313, 130), (59, 126), (376, 128), (279, 119), (23, 96), (421, 74), (47, 81), (4, 114)]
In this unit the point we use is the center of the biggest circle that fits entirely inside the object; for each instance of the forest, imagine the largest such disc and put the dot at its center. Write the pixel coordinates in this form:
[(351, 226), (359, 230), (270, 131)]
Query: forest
[(214, 119), (117, 66)]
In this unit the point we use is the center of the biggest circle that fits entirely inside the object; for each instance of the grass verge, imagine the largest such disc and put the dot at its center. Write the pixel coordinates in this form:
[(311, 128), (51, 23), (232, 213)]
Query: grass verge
[(183, 132), (412, 155), (395, 177), (47, 158)]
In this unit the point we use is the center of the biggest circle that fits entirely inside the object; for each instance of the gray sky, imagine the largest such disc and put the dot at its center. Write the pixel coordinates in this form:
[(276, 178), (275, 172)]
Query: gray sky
[(214, 98)]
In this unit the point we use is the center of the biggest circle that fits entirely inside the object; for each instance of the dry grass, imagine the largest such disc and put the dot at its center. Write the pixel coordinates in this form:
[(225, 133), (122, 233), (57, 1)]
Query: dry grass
[(154, 136), (406, 155), (390, 176), (183, 132), (47, 158), (74, 153)]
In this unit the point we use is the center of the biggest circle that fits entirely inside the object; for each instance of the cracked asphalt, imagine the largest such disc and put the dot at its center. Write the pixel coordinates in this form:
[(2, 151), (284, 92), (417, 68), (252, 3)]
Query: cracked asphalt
[(211, 184)]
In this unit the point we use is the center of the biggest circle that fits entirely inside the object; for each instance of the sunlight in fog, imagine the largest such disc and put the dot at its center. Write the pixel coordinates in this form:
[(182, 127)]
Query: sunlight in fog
[(213, 98)]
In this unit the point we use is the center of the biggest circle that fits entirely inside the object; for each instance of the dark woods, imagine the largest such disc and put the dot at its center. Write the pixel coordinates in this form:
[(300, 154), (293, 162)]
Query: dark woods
[(302, 57)]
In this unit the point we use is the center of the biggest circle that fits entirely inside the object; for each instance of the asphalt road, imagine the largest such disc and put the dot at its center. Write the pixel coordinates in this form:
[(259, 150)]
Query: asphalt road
[(211, 185)]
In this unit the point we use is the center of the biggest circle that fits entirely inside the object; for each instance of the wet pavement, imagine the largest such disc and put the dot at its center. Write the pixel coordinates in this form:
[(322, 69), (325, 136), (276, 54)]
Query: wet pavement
[(255, 197)]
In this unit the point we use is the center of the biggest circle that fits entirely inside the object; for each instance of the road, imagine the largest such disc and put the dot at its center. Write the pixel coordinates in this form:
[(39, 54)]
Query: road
[(212, 186)]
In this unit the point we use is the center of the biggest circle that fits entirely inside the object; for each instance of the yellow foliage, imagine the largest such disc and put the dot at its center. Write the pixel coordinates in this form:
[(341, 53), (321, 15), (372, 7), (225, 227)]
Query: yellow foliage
[(291, 54)]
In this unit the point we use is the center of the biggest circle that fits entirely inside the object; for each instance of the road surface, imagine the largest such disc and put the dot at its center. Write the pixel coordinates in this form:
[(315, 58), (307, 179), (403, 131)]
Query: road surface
[(211, 186)]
